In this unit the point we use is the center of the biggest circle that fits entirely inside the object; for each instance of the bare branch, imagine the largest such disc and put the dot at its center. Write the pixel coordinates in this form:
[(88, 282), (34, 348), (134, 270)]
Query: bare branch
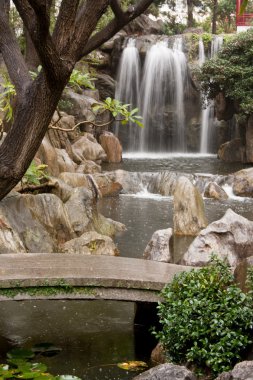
[(36, 20), (53, 126), (12, 55), (114, 26)]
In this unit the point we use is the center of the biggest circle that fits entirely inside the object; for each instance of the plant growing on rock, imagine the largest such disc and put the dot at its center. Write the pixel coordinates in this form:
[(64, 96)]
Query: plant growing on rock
[(35, 174), (206, 319)]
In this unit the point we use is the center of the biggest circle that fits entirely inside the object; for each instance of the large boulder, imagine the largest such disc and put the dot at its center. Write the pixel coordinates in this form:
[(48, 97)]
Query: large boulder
[(106, 85), (232, 151), (242, 371), (230, 237), (107, 187), (87, 148), (144, 23), (158, 249), (41, 221), (241, 272), (112, 147), (166, 371), (91, 243), (164, 183), (189, 214), (243, 183)]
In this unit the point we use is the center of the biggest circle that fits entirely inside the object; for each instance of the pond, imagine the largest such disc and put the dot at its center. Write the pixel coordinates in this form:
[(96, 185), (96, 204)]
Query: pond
[(93, 335), (144, 213)]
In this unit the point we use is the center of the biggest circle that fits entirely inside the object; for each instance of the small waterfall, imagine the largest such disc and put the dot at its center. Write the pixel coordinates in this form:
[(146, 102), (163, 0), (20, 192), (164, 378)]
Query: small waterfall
[(202, 56), (208, 120), (128, 88)]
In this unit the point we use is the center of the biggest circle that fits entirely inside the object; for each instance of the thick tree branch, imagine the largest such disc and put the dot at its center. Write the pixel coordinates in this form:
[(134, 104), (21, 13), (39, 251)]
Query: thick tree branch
[(87, 18), (65, 26), (114, 26), (117, 10), (36, 20), (12, 56)]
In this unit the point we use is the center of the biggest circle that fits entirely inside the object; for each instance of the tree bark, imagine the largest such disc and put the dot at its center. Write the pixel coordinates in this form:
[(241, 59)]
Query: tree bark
[(190, 20), (31, 56), (214, 16)]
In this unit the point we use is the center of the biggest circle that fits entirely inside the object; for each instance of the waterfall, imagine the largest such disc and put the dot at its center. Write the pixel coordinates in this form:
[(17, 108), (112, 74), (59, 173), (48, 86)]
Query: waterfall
[(128, 88), (162, 93), (208, 120)]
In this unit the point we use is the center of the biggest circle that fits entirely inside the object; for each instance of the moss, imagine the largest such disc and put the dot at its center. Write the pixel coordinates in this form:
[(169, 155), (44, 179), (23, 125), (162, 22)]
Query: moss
[(47, 290)]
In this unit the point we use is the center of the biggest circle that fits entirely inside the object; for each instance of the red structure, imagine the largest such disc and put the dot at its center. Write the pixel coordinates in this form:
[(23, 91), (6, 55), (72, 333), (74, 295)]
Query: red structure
[(244, 20)]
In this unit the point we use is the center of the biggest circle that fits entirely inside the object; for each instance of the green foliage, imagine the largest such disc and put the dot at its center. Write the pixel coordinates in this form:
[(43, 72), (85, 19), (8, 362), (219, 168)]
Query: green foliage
[(206, 319), (20, 367), (35, 174), (6, 97), (231, 72), (79, 80), (119, 110)]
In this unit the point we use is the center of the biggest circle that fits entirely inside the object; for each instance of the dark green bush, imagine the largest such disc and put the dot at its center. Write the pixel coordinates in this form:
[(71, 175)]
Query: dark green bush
[(231, 72), (206, 319)]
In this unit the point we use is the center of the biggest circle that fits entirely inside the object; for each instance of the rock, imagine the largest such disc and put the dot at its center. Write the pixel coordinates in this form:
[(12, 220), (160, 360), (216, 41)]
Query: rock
[(87, 148), (241, 371), (166, 371), (80, 210), (60, 188), (232, 151), (108, 45), (106, 185), (10, 241), (243, 183), (189, 214), (164, 183), (48, 156), (75, 179), (112, 147), (158, 249), (64, 162), (106, 85), (106, 226), (225, 108), (88, 167), (81, 105), (158, 355), (249, 140), (91, 243), (144, 23), (214, 191), (241, 272), (41, 221), (230, 237)]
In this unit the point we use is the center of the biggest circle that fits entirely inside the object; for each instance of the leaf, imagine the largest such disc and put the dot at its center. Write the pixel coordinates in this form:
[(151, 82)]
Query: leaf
[(46, 349), (132, 365), (20, 353)]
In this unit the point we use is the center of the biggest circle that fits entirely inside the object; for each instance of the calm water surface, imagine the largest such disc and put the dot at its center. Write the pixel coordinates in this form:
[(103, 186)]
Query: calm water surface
[(93, 335)]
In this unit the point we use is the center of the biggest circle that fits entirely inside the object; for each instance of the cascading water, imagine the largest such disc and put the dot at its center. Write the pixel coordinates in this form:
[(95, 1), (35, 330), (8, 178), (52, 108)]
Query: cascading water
[(162, 96), (208, 121), (128, 88)]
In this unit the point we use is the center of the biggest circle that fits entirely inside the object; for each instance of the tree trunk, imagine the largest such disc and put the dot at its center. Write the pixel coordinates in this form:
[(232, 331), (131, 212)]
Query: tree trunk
[(214, 17), (32, 117), (190, 20)]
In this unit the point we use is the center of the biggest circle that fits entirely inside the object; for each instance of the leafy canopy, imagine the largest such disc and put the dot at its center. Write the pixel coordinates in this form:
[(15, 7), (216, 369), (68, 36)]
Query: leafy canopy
[(231, 72)]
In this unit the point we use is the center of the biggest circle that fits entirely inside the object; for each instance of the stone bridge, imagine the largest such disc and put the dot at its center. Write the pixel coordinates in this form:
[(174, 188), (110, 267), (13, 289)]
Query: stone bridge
[(73, 276)]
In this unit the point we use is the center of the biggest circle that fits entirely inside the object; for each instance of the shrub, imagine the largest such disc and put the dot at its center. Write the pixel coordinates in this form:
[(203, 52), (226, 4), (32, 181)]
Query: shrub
[(206, 319)]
